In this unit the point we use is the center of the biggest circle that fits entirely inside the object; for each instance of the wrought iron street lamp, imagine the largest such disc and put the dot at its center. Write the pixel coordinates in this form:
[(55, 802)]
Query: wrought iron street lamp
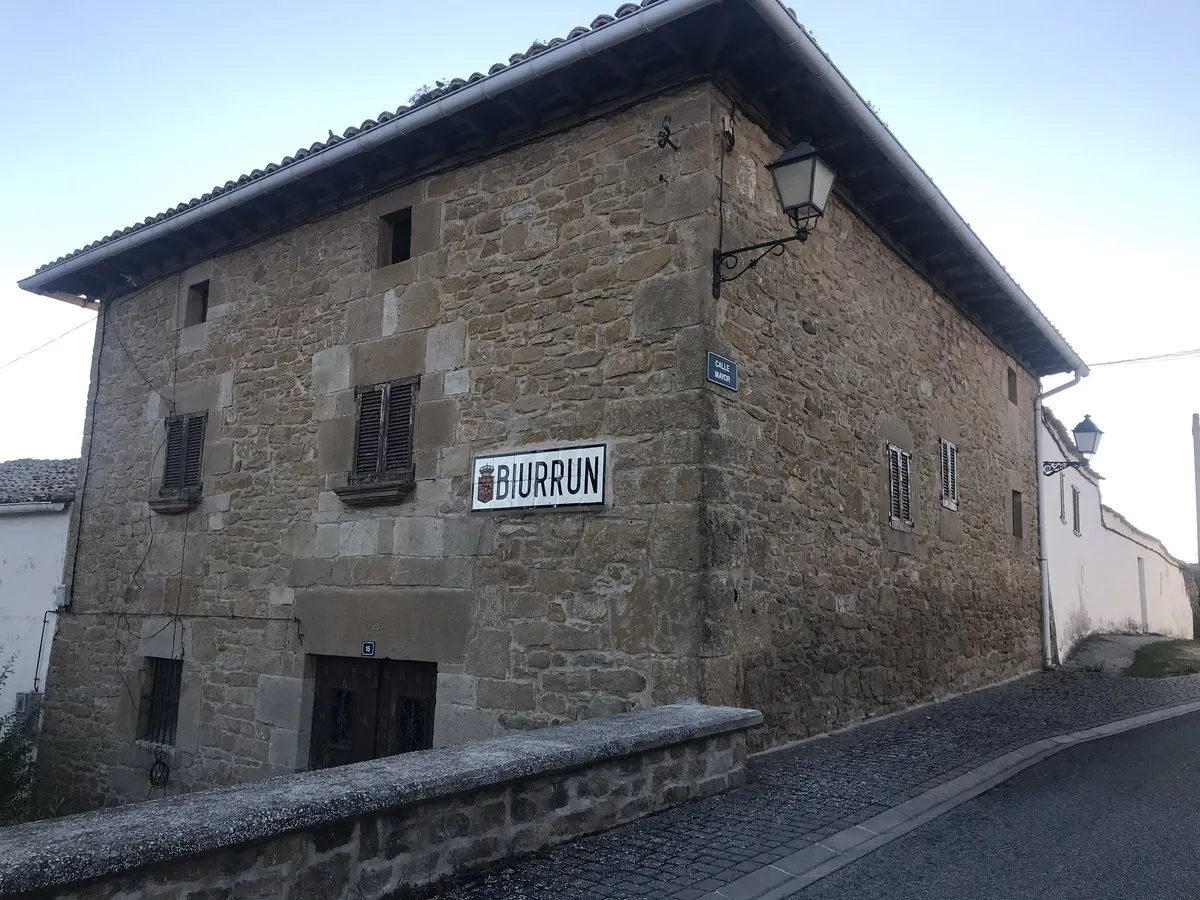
[(1087, 441), (803, 182)]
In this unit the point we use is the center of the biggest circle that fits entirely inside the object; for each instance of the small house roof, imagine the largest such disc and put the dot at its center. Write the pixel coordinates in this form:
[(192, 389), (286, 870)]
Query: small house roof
[(38, 480)]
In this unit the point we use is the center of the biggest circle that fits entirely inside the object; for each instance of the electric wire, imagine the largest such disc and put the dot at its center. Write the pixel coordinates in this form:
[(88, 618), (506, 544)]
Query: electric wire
[(1157, 357), (17, 359)]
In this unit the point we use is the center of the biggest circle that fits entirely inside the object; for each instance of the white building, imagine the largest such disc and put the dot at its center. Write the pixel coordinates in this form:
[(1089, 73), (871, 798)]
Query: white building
[(35, 511), (1105, 574)]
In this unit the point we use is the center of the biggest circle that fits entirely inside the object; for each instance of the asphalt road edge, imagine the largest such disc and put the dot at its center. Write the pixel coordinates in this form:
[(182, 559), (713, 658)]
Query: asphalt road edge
[(786, 877)]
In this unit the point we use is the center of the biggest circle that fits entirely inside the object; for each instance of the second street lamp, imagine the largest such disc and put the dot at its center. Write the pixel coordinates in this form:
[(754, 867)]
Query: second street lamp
[(1087, 441)]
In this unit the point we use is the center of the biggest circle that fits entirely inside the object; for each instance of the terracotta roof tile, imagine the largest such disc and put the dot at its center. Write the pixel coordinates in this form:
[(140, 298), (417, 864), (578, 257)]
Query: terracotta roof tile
[(38, 480), (450, 87)]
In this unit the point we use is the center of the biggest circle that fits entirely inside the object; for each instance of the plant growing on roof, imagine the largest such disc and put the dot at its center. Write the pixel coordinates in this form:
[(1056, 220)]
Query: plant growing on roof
[(424, 90)]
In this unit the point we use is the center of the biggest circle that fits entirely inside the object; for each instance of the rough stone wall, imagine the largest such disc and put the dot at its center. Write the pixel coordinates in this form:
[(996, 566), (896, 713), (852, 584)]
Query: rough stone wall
[(831, 613), (391, 851), (554, 296), (558, 294)]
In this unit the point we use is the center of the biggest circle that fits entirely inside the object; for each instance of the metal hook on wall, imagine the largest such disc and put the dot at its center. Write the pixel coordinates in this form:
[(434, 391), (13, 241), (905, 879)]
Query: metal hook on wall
[(664, 135)]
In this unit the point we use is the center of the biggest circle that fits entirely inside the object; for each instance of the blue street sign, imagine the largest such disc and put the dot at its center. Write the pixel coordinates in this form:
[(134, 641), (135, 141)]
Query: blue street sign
[(722, 371)]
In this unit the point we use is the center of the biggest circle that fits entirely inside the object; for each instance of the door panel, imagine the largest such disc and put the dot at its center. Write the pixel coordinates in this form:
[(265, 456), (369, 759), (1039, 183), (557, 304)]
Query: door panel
[(406, 698), (367, 708), (344, 711)]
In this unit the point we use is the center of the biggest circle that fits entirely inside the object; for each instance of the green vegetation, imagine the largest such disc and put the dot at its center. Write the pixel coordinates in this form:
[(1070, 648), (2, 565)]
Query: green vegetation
[(1165, 658), (18, 738)]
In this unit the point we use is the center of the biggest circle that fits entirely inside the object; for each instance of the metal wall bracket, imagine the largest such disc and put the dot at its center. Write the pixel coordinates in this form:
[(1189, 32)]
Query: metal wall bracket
[(729, 266), (1053, 468)]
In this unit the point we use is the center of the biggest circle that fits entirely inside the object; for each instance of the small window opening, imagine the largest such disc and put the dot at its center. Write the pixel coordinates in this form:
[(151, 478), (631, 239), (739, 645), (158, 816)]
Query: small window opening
[(1018, 515), (158, 713), (1075, 509), (1012, 385), (197, 304), (398, 236)]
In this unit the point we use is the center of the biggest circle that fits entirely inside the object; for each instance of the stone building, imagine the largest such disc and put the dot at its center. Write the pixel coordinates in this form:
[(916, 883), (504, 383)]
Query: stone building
[(292, 546)]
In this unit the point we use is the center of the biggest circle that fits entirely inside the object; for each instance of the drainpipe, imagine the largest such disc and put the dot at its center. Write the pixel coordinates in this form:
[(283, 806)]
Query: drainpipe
[(1043, 568)]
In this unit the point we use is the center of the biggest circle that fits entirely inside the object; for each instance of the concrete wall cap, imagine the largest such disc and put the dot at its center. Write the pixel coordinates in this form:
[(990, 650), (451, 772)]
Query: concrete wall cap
[(73, 849)]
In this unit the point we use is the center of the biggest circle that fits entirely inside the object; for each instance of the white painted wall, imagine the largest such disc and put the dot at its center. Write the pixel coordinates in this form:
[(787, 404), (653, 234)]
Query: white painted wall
[(1095, 584), (32, 546)]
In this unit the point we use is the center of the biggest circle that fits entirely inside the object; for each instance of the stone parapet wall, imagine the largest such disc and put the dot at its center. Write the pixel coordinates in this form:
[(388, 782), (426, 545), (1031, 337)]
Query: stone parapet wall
[(373, 828)]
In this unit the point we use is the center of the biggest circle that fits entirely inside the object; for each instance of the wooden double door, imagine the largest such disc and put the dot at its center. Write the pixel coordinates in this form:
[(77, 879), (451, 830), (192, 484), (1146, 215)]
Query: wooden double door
[(368, 708)]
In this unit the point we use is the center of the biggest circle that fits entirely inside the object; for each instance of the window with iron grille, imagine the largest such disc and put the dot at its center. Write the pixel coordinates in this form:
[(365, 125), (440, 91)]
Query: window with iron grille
[(184, 460), (949, 475), (1075, 509), (900, 485), (384, 438), (158, 714)]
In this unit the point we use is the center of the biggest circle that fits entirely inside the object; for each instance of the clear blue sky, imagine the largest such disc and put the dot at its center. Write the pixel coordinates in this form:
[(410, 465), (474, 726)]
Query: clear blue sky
[(1065, 132)]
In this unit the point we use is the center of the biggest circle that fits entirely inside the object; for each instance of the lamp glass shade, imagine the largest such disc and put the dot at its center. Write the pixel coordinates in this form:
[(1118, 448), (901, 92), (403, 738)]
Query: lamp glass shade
[(1087, 436), (803, 181)]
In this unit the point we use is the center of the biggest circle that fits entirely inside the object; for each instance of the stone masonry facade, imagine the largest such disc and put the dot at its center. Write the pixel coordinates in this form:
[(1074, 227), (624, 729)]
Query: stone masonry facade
[(558, 294), (829, 612)]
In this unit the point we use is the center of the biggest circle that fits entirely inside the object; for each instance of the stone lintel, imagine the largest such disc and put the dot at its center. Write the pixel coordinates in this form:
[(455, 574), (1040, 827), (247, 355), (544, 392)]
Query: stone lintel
[(418, 623)]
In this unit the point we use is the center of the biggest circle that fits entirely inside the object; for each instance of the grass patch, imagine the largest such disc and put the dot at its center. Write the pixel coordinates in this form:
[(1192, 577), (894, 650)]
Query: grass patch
[(1165, 658)]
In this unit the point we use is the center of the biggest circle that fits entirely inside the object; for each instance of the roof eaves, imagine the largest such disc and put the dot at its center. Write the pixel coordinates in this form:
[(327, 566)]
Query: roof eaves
[(538, 61), (806, 50)]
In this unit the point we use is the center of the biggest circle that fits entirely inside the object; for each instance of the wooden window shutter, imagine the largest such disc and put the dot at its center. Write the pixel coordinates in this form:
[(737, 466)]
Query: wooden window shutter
[(173, 464), (193, 455), (895, 484), (954, 474), (949, 475), (368, 442), (399, 432), (899, 484)]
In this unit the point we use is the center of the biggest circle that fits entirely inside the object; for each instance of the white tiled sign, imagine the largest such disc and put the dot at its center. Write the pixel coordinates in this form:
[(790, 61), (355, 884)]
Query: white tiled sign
[(565, 476)]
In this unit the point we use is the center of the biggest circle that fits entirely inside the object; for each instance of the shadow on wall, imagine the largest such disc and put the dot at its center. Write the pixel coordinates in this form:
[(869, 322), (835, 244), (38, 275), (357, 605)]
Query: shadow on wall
[(1191, 581), (1079, 623)]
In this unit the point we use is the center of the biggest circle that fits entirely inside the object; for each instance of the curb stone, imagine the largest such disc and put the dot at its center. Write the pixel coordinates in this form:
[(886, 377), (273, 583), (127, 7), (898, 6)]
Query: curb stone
[(786, 877)]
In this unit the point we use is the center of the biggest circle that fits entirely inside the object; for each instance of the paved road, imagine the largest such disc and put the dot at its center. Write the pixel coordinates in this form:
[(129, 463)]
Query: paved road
[(807, 793), (1117, 818)]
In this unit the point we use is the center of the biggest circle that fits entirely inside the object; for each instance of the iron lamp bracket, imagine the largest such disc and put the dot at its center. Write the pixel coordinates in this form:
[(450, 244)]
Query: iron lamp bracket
[(730, 265), (1053, 468)]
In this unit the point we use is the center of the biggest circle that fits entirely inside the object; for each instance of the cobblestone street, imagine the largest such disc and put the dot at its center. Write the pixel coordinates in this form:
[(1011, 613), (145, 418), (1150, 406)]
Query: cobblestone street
[(798, 796)]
